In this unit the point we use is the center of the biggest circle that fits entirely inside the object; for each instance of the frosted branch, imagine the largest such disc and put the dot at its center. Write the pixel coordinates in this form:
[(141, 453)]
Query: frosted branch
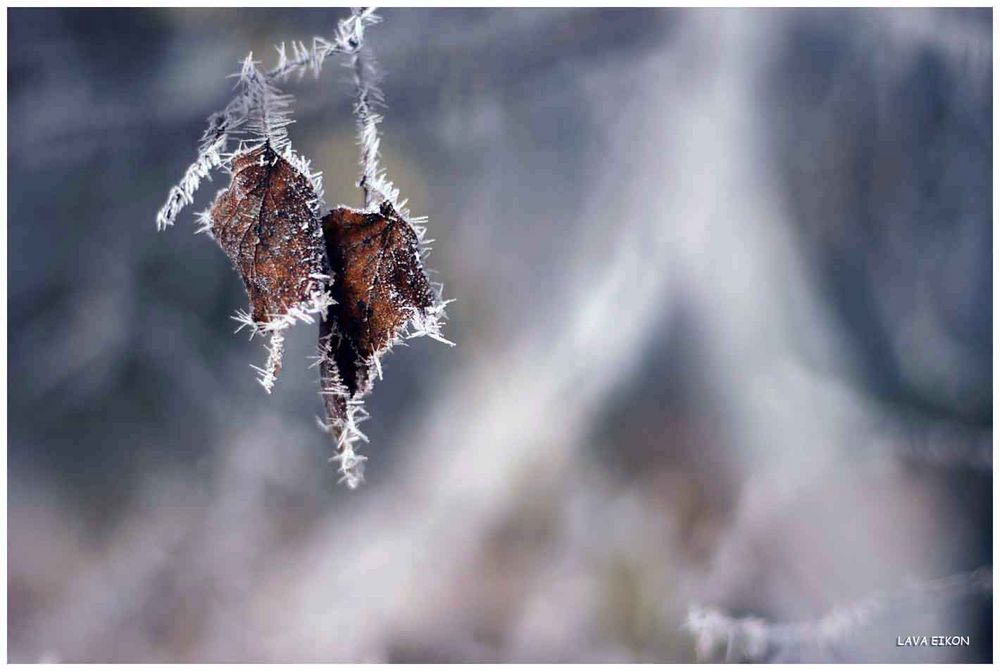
[(935, 443), (209, 157), (367, 120), (754, 639), (259, 114), (348, 37)]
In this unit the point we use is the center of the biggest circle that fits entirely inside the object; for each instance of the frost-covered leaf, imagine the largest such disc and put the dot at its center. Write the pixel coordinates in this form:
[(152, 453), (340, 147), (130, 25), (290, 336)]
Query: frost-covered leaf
[(266, 224), (382, 293), (379, 285)]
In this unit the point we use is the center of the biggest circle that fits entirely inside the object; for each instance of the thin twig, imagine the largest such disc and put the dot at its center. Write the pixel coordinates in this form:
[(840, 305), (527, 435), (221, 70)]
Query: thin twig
[(348, 38), (754, 639)]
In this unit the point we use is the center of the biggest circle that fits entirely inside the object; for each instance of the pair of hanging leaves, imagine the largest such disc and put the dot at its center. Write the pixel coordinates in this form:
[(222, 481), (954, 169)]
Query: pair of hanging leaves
[(368, 262)]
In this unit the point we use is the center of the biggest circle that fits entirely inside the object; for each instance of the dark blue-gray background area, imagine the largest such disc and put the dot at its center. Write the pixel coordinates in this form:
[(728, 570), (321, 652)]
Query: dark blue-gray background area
[(723, 311)]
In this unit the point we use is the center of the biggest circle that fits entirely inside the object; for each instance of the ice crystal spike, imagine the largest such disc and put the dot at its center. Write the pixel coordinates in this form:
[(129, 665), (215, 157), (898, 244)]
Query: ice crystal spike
[(268, 110)]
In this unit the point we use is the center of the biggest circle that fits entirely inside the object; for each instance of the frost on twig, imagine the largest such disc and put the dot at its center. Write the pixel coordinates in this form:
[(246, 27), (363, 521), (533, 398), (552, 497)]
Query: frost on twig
[(374, 181), (934, 443), (266, 111), (275, 352), (227, 124), (209, 158), (343, 412), (753, 639)]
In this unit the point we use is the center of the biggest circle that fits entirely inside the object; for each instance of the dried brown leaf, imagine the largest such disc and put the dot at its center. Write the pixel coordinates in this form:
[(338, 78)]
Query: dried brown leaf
[(379, 283), (266, 225)]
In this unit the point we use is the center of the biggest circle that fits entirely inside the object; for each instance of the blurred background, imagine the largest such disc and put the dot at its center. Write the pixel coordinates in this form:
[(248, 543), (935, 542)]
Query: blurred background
[(723, 308)]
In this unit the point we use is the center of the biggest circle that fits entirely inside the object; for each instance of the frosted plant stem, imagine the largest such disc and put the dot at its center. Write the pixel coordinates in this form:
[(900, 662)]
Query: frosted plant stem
[(348, 38), (367, 130), (368, 96), (755, 639)]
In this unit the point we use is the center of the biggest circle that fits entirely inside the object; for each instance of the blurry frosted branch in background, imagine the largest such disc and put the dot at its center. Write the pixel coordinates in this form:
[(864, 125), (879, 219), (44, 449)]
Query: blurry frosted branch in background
[(347, 39), (754, 639), (939, 444)]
